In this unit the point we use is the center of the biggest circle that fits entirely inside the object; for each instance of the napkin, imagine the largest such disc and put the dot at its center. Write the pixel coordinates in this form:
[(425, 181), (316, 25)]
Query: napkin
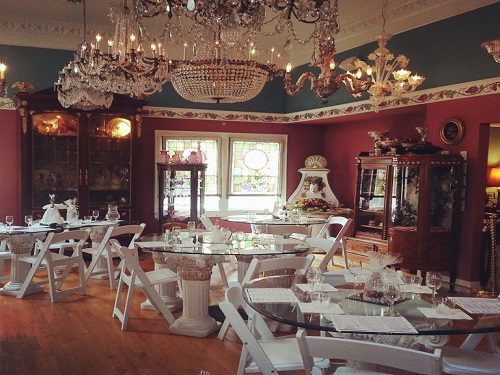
[(319, 288), (271, 295), (417, 289), (443, 313), (71, 210), (320, 308)]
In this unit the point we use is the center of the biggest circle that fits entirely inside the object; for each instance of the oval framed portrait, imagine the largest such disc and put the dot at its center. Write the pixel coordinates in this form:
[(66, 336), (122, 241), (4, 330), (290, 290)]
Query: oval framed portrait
[(452, 131)]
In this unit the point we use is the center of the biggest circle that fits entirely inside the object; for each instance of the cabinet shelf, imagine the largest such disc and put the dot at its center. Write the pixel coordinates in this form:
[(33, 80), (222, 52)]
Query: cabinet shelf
[(372, 227)]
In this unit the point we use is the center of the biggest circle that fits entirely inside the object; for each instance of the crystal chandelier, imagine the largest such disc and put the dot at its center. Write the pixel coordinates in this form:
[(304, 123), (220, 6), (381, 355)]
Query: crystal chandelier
[(73, 88), (493, 48), (388, 74)]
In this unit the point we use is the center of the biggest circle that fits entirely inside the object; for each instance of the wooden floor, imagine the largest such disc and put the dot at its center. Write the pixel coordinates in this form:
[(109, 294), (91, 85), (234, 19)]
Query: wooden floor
[(79, 336)]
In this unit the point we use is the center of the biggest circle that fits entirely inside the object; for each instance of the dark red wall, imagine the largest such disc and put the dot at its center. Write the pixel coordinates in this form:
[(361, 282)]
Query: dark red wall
[(345, 139), (302, 142), (10, 165)]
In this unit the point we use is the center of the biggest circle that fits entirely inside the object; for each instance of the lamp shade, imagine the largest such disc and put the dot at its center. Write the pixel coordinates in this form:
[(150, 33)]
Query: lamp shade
[(493, 177)]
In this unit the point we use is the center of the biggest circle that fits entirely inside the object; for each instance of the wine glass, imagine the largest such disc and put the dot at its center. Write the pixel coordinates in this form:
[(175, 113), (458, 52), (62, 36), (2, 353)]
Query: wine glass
[(95, 214), (433, 281), (176, 231), (313, 276), (191, 226), (9, 220), (391, 294), (355, 269), (28, 219)]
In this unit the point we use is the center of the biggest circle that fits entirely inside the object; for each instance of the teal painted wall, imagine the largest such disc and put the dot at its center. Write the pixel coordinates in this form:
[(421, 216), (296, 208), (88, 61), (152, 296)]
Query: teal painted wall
[(446, 52)]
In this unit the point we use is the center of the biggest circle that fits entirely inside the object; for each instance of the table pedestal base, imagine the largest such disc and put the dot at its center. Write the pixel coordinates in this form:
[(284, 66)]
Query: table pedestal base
[(195, 320)]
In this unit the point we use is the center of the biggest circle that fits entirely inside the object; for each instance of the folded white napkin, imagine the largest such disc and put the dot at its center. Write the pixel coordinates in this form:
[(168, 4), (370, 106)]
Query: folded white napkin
[(271, 295), (417, 289), (320, 308), (444, 313), (322, 287)]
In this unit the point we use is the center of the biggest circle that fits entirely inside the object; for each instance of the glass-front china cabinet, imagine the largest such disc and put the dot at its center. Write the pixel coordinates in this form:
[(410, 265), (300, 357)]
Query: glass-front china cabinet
[(409, 205), (72, 153), (181, 189)]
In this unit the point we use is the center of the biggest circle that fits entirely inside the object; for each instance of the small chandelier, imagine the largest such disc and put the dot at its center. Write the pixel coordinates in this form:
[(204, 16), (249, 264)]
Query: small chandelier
[(73, 88), (388, 75), (493, 48)]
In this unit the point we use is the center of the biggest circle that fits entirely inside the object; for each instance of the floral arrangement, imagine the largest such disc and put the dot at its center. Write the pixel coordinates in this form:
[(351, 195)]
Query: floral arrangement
[(22, 86), (311, 204), (379, 261)]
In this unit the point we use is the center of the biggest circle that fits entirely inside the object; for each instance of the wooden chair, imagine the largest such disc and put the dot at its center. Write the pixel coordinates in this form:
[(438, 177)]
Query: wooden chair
[(134, 277), (261, 352), (105, 250), (49, 261), (258, 266), (344, 224), (465, 360), (312, 347)]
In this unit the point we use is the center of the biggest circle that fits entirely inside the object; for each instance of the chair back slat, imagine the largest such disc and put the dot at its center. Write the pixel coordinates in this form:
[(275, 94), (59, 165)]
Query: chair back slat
[(258, 266)]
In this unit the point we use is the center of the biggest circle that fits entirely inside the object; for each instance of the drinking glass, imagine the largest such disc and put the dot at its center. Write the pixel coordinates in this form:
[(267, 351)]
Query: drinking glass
[(391, 294), (87, 219), (28, 219), (433, 281), (313, 276), (95, 214), (325, 299), (176, 231), (9, 220), (355, 269)]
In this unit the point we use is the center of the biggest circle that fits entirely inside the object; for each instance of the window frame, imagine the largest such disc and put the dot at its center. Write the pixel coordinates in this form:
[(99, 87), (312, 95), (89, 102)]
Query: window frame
[(224, 142)]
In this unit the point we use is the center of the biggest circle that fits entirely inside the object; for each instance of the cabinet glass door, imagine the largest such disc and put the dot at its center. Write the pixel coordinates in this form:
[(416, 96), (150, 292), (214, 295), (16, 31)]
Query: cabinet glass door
[(443, 181), (54, 157), (108, 174), (405, 196), (371, 203)]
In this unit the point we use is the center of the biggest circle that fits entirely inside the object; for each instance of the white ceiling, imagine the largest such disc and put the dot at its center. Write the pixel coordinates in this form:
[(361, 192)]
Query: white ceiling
[(58, 23)]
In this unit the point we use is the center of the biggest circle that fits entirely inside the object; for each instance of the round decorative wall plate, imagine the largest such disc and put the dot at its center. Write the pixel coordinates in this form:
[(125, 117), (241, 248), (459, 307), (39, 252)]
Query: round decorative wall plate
[(316, 161), (452, 131)]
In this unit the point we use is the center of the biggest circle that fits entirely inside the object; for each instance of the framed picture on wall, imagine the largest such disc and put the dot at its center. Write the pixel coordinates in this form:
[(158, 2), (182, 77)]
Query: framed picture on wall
[(452, 131)]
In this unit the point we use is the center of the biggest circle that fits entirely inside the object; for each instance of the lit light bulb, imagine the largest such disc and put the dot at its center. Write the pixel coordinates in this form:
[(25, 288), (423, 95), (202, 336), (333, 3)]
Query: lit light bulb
[(332, 65), (359, 73), (288, 67), (3, 68), (369, 71)]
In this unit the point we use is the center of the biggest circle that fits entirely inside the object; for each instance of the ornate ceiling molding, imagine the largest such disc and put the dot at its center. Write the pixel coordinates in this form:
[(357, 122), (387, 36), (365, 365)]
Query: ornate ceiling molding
[(452, 92)]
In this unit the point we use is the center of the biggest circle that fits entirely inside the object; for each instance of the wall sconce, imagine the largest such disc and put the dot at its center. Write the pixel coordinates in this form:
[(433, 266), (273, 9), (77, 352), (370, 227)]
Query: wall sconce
[(493, 180), (3, 82)]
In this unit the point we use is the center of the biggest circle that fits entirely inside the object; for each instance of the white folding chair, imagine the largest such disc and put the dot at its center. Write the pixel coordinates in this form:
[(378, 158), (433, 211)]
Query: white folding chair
[(261, 352), (4, 255), (134, 277), (465, 360), (207, 223), (329, 246), (312, 347), (105, 250), (49, 261), (344, 224), (258, 266)]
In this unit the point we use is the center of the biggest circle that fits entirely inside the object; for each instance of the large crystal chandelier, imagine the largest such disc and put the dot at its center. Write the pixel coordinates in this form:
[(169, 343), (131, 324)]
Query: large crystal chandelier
[(388, 73), (73, 88)]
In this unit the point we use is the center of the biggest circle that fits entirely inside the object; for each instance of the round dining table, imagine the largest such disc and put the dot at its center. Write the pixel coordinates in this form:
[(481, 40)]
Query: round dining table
[(194, 262), (426, 331)]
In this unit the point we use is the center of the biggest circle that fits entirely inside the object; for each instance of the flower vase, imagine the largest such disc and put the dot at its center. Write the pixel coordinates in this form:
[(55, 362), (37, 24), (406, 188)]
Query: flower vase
[(374, 286), (112, 215)]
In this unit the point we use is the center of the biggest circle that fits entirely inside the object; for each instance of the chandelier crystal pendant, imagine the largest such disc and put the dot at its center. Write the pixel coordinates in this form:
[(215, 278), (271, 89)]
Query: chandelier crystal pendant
[(388, 74)]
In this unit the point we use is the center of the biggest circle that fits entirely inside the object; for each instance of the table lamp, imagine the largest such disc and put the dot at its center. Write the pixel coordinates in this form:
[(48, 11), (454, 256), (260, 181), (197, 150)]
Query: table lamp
[(493, 180)]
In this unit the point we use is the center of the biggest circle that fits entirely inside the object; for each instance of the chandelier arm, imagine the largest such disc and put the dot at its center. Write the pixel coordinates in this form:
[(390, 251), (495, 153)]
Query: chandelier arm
[(294, 89)]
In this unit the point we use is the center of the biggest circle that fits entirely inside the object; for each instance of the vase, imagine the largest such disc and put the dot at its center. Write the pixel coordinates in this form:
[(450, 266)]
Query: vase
[(374, 287), (112, 214)]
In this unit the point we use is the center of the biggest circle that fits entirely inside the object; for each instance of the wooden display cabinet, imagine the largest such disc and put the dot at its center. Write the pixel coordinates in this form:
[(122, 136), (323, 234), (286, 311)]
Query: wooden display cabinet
[(73, 153), (409, 205), (181, 193)]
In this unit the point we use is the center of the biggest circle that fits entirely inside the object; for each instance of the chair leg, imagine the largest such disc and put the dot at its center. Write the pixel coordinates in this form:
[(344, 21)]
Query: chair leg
[(128, 305), (116, 307), (223, 330), (111, 271), (27, 281), (52, 285), (81, 271), (223, 276)]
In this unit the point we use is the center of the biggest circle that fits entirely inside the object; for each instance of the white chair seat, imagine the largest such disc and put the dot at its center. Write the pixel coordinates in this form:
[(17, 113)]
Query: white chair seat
[(55, 257), (159, 276), (469, 362), (350, 371)]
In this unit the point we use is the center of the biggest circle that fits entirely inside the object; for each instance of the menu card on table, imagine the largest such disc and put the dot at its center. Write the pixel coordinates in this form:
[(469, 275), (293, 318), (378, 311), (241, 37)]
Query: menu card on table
[(436, 313), (376, 324), (271, 295), (478, 305), (414, 288), (321, 287)]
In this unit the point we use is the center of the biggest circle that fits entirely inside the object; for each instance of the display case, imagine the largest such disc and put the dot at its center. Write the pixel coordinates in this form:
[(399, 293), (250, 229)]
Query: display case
[(181, 192), (72, 153), (409, 205)]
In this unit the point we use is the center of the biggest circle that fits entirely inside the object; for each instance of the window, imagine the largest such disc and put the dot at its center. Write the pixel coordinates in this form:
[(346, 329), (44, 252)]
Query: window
[(245, 172)]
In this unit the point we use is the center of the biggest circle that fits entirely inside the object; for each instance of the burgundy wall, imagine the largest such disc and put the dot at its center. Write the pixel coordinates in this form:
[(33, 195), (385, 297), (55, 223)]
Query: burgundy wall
[(345, 139), (302, 142), (10, 165)]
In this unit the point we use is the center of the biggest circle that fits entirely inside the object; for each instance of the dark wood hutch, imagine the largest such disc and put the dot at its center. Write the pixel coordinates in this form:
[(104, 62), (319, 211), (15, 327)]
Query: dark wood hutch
[(75, 153), (410, 205)]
